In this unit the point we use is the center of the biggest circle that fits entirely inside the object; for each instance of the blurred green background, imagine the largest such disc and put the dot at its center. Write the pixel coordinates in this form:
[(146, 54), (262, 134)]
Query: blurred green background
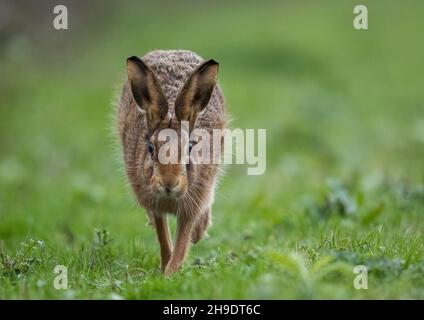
[(344, 184)]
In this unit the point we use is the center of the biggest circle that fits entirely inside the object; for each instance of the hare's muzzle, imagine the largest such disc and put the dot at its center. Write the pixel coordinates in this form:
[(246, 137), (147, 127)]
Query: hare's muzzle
[(169, 186), (172, 187)]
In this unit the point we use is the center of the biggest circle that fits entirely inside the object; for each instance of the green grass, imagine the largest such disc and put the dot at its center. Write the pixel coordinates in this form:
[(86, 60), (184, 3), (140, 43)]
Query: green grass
[(344, 184)]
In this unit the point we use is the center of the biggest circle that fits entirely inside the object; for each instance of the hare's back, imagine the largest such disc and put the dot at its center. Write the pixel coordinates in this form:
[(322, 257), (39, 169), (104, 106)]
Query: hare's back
[(172, 68)]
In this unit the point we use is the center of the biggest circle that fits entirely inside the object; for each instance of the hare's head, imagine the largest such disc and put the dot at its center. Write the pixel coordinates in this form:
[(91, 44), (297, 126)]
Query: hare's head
[(167, 143)]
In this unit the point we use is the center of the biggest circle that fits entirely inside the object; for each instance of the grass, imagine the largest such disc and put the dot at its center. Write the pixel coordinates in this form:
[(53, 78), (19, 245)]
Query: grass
[(344, 184)]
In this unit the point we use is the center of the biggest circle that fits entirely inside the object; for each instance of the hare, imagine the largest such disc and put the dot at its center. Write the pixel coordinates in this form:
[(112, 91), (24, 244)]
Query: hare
[(164, 89)]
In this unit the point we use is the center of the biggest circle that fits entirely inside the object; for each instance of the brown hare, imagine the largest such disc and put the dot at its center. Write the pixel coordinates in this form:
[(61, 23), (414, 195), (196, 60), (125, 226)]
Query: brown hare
[(164, 89)]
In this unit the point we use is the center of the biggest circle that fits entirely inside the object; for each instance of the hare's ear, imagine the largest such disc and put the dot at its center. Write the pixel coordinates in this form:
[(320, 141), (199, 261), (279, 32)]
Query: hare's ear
[(146, 91), (196, 92)]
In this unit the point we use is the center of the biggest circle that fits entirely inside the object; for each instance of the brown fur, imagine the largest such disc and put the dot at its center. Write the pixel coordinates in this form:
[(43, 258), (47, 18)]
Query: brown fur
[(168, 81)]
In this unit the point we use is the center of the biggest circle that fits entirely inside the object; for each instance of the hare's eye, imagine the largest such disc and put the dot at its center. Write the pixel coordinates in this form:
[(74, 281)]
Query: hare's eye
[(150, 147)]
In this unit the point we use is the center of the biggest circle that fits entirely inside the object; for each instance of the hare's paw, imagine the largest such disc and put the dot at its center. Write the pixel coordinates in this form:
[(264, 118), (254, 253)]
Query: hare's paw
[(171, 268)]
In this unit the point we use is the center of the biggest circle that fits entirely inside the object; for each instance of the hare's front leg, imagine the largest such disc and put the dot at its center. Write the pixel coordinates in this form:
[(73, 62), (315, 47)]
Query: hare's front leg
[(182, 242), (201, 226), (165, 242)]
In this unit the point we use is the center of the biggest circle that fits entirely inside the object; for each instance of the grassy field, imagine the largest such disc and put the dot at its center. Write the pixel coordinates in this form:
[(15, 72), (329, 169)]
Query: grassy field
[(344, 185)]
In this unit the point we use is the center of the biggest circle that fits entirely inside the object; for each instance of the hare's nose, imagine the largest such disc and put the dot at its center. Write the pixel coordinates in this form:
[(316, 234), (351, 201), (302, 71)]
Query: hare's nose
[(169, 185)]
